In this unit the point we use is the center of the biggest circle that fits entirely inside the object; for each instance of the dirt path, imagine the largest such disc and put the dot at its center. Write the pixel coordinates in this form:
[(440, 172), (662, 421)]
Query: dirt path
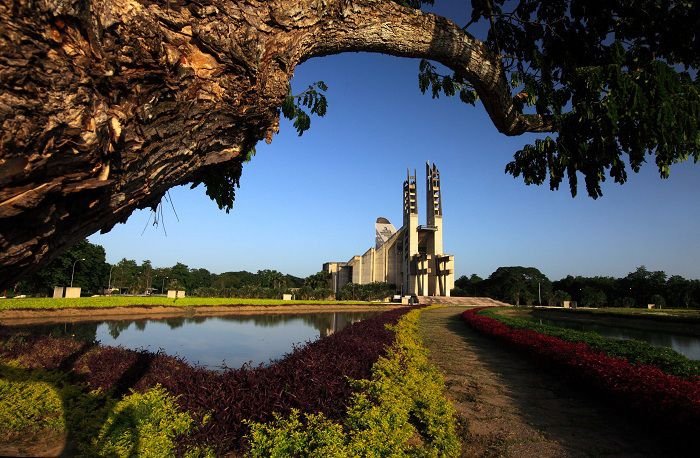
[(507, 407)]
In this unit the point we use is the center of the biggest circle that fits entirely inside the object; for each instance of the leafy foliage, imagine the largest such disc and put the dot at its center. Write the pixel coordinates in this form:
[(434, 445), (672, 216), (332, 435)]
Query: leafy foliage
[(29, 406), (41, 404), (312, 98), (619, 81), (638, 288), (403, 400), (429, 78), (514, 285), (143, 424), (375, 291), (314, 435), (222, 180), (91, 271)]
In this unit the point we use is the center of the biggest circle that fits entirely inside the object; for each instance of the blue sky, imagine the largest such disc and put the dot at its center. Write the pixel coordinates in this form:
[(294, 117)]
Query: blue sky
[(310, 199)]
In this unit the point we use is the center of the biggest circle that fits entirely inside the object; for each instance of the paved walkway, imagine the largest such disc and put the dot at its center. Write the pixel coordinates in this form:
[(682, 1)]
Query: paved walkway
[(508, 407), (461, 301)]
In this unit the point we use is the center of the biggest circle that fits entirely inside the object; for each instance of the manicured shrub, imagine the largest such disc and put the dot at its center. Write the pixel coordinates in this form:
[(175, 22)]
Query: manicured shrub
[(376, 291), (46, 405), (143, 424), (29, 406), (314, 435), (400, 411)]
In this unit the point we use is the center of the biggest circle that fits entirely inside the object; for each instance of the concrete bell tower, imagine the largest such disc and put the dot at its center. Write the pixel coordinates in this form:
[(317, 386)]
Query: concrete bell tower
[(433, 207), (410, 232)]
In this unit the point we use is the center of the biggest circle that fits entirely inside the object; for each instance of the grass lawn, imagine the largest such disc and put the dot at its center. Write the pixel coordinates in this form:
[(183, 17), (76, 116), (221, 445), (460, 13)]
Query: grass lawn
[(685, 315), (47, 303), (645, 312)]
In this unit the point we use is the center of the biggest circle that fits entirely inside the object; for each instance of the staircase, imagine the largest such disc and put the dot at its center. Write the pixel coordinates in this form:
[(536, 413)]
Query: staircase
[(462, 301)]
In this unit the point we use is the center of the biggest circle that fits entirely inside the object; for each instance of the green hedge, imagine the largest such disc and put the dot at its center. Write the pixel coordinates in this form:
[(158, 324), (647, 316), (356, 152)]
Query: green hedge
[(400, 411), (40, 404), (635, 351), (37, 404), (30, 405), (144, 424), (376, 291)]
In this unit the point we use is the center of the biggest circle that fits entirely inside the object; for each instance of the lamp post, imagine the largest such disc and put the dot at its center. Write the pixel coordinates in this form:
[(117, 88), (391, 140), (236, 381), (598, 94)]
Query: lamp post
[(109, 282), (162, 287), (73, 272)]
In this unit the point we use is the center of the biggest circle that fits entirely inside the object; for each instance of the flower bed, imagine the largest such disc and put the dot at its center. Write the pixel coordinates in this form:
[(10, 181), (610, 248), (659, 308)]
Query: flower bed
[(312, 378), (671, 402), (634, 351)]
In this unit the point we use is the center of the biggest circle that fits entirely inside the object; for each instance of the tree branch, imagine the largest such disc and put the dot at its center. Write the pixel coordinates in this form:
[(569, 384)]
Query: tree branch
[(389, 28)]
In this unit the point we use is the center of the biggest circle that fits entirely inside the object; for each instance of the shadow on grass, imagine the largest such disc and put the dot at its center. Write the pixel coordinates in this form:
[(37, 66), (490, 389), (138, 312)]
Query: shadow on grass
[(84, 412)]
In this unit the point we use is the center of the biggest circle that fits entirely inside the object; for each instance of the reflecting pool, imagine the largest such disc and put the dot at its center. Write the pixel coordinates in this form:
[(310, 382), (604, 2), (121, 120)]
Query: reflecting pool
[(689, 346), (213, 341)]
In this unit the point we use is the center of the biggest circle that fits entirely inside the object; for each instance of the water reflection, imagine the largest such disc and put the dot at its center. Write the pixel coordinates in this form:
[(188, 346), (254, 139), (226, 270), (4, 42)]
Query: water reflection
[(688, 346), (209, 341)]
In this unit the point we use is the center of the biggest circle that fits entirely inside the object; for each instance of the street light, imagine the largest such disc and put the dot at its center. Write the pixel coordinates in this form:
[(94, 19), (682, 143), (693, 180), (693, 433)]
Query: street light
[(73, 272), (109, 282), (162, 287)]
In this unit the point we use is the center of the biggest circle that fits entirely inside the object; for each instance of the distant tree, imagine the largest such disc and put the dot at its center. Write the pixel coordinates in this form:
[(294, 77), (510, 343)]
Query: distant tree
[(125, 275), (678, 291), (658, 300), (468, 286), (307, 292), (90, 274), (367, 292), (145, 276), (234, 279), (695, 293), (179, 276), (518, 285), (199, 278), (271, 279), (558, 297), (642, 284), (628, 302), (593, 297), (319, 280), (292, 281)]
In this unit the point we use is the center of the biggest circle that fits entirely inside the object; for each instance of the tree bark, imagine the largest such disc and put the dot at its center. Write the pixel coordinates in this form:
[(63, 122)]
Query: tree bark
[(106, 104)]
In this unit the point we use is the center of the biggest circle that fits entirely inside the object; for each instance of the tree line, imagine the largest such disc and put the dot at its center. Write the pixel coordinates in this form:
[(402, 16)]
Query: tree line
[(85, 264), (528, 286)]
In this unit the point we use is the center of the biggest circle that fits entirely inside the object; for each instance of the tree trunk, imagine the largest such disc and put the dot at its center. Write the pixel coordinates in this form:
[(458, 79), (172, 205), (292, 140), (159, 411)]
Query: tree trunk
[(106, 104)]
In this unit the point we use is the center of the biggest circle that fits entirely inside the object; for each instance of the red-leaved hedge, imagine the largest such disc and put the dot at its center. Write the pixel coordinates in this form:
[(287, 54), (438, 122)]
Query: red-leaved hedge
[(670, 402), (312, 378)]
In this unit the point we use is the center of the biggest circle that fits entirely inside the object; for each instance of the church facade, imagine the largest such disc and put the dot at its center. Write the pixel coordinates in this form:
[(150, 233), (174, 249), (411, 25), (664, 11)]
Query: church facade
[(412, 258)]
